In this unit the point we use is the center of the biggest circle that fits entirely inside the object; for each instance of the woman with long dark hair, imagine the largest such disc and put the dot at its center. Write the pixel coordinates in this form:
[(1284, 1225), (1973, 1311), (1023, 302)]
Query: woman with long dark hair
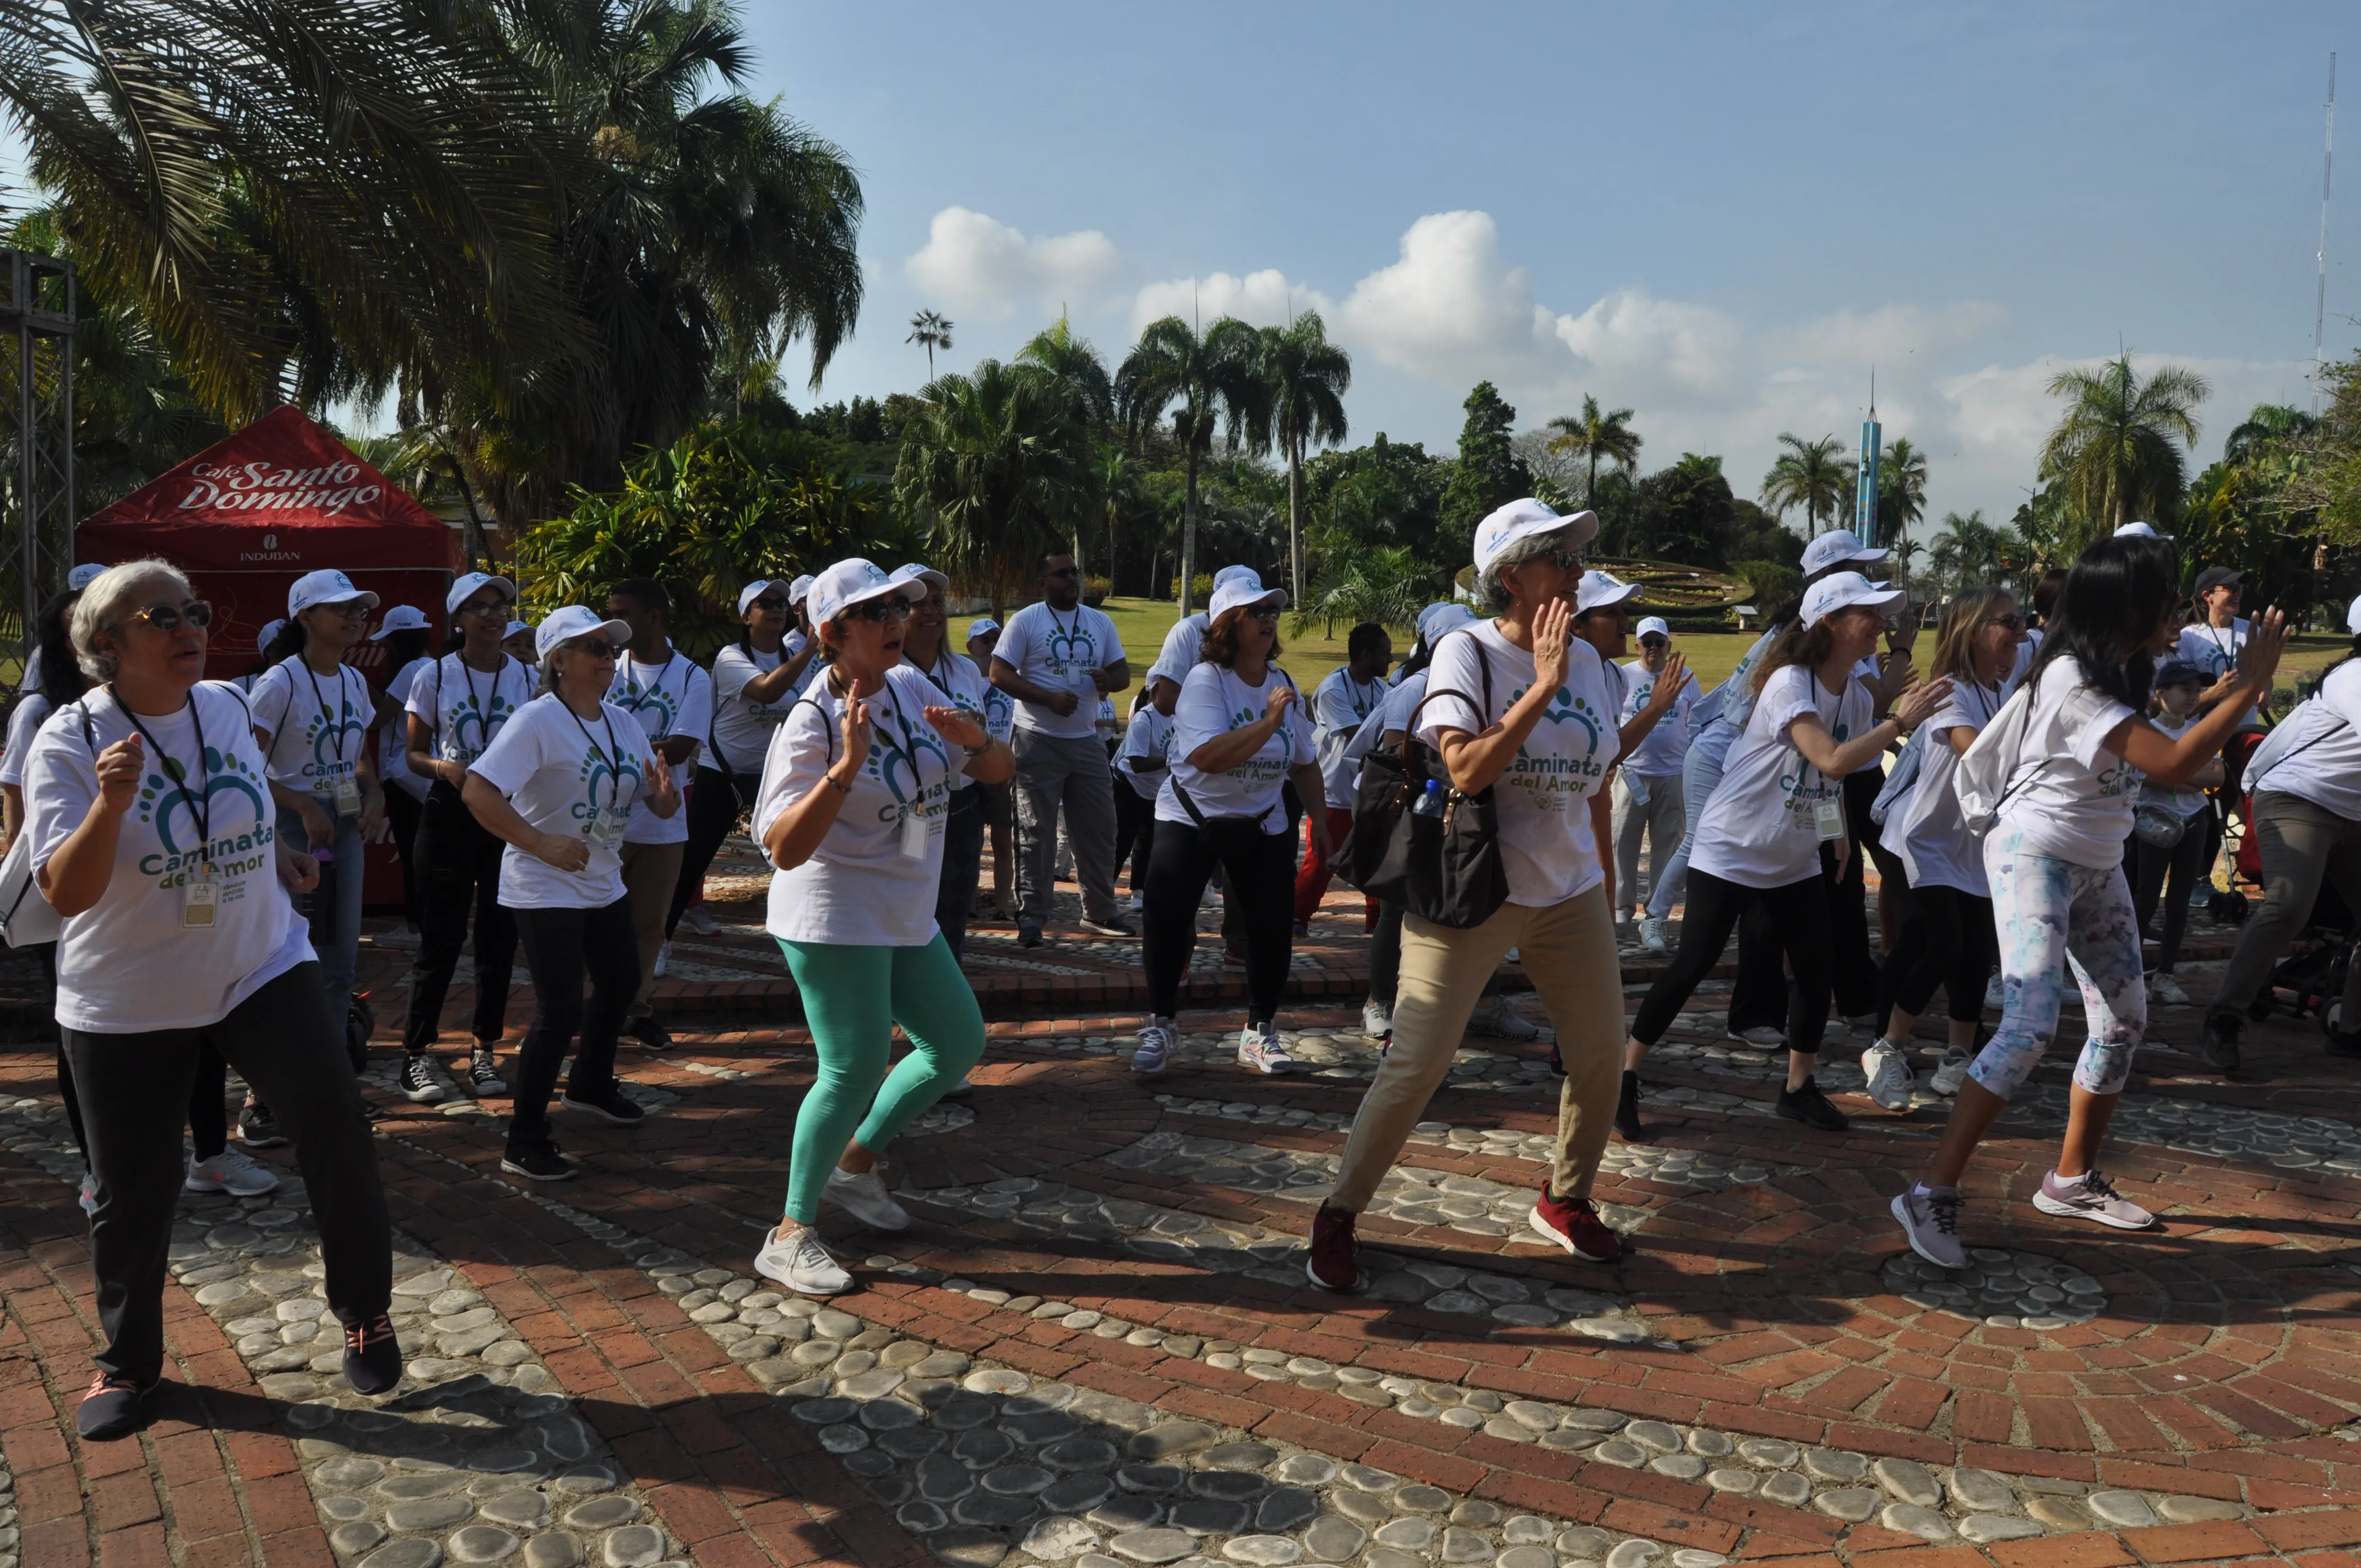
[(407, 640), (2054, 857)]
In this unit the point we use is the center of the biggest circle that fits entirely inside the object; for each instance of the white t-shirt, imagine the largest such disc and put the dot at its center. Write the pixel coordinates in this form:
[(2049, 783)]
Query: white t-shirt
[(2320, 761), (24, 723), (1719, 717), (1149, 736), (2068, 798), (1183, 644), (742, 728), (2183, 801), (573, 777), (1544, 797), (393, 735), (1761, 827), (316, 727), (1340, 705), (1054, 648), (1214, 701), (999, 713), (674, 697), (1661, 753), (128, 964), (1929, 834), (2026, 650), (956, 676), (2215, 650), (859, 888), (465, 707)]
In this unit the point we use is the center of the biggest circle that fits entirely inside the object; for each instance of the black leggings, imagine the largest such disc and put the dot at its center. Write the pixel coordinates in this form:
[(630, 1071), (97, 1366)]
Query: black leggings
[(1799, 910), (2186, 862), (714, 807), (208, 1110), (1261, 871), (1135, 833), (458, 870), (1948, 940), (560, 946), (403, 810)]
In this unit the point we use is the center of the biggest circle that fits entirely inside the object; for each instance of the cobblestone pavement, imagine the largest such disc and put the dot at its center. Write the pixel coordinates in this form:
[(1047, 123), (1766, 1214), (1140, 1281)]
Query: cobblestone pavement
[(1095, 1347)]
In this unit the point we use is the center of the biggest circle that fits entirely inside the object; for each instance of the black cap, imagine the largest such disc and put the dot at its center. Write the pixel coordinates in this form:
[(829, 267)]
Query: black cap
[(2212, 577), (2177, 671)]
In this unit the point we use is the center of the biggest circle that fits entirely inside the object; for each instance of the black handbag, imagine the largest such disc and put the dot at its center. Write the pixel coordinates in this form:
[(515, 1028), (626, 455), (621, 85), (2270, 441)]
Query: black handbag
[(1444, 868)]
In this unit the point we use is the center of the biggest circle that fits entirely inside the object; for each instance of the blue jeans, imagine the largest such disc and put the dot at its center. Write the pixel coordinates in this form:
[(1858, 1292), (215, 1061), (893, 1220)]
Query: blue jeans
[(334, 905), (1700, 776)]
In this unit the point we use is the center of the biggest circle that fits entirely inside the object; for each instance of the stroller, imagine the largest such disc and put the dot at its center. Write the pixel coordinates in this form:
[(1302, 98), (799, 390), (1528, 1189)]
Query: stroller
[(2310, 977)]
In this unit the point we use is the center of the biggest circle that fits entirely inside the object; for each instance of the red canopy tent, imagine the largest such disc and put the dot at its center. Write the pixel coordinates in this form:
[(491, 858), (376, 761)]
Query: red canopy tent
[(248, 515)]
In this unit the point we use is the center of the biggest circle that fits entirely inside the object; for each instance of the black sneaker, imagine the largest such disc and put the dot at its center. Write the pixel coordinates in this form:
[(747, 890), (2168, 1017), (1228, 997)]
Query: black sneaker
[(257, 1128), (417, 1082), (542, 1162), (2340, 1043), (1028, 936), (115, 1408), (373, 1358), (2218, 1044), (1557, 1063), (484, 1073), (1627, 1110), (611, 1105), (1811, 1107), (651, 1035)]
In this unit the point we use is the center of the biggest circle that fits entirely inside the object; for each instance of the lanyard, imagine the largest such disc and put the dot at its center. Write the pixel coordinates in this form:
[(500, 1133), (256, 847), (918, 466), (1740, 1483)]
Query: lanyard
[(200, 807), (614, 761), (2213, 635), (909, 741), (1072, 630), (655, 688), (336, 721)]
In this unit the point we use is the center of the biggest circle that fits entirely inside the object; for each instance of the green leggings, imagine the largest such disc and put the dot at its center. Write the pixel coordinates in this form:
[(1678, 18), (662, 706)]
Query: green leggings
[(852, 998)]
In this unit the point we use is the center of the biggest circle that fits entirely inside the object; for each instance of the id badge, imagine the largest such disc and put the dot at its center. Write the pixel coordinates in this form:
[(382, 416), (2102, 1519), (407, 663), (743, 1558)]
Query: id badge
[(914, 837), (200, 901), (605, 831), (348, 796), (1829, 815)]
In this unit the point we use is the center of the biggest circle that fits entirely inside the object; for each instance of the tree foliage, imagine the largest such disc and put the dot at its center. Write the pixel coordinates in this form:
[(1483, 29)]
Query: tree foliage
[(997, 462), (1487, 473), (2115, 453), (1809, 474)]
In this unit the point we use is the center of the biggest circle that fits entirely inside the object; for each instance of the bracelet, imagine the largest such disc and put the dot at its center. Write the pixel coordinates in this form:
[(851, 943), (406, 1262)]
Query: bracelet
[(841, 788)]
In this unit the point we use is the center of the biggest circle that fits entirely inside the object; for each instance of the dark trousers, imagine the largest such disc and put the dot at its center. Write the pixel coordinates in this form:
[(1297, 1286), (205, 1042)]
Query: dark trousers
[(1135, 833), (1761, 993), (1758, 997), (715, 802), (208, 1111), (962, 865), (459, 870), (2183, 863), (287, 1043), (1261, 871), (1948, 940), (1385, 953), (561, 946), (402, 811), (1800, 910)]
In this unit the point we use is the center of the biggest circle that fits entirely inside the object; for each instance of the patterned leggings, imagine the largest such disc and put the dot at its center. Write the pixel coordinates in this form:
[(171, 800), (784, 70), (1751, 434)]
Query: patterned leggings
[(2052, 912)]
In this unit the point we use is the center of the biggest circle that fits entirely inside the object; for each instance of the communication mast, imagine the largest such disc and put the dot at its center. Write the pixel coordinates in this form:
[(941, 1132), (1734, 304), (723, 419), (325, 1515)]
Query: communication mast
[(36, 481)]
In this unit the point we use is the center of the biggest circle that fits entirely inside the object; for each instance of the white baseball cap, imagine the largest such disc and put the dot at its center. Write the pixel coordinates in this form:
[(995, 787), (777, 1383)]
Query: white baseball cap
[(916, 570), (515, 626), (1241, 591), (270, 629), (1236, 573), (982, 626), (81, 576), (1838, 545), (1600, 589), (1655, 626), (2353, 618), (801, 587), (469, 586), (325, 586), (1441, 619), (853, 582), (1523, 519), (400, 618), (573, 620), (2140, 531), (752, 591), (1846, 590)]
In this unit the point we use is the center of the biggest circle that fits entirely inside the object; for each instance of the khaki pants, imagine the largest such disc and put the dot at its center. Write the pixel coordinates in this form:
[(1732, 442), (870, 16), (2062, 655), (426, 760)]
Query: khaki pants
[(1661, 816), (651, 872), (1569, 951)]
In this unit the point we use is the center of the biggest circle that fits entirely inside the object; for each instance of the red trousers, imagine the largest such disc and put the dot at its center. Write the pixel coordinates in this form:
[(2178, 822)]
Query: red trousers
[(1311, 877)]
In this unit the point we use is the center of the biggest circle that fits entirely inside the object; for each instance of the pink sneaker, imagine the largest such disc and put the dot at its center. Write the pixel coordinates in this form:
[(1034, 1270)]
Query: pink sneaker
[(2091, 1197)]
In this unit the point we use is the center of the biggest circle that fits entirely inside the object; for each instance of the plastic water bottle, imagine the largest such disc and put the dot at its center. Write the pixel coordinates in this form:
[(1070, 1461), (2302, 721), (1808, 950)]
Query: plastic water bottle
[(1430, 804)]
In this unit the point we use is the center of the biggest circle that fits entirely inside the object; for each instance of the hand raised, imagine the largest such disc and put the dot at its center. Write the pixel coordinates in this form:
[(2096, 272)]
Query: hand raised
[(853, 728), (119, 767), (1552, 630), (957, 726), (2267, 640), (1669, 682), (1921, 703), (1275, 701)]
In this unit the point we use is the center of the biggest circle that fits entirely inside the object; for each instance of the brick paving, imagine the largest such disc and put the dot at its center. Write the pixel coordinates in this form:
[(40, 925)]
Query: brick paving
[(2225, 1367)]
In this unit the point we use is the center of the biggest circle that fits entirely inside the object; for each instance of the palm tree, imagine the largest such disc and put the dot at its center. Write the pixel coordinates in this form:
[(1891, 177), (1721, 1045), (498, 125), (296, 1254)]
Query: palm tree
[(1074, 364), (1809, 474), (1901, 490), (997, 460), (932, 330), (1968, 551), (1210, 375), (2116, 451), (1303, 380), (1595, 436), (2270, 425)]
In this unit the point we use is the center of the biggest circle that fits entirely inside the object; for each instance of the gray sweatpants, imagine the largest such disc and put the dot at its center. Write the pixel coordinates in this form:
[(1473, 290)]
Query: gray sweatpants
[(1052, 773), (2302, 845), (1649, 803)]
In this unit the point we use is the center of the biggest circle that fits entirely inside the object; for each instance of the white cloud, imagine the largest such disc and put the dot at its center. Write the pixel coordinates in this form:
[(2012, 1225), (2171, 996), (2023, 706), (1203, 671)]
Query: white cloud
[(1265, 299), (1448, 309), (974, 262), (1630, 336)]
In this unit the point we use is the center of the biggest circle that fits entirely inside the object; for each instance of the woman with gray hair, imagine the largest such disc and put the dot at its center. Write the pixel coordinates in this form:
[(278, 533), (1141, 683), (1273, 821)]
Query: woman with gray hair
[(153, 837), (1519, 705)]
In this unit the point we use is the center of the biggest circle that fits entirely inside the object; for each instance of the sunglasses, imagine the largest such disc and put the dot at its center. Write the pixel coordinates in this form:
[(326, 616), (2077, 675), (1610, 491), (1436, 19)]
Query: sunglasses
[(492, 606), (350, 609), (2014, 622), (1065, 571), (165, 617), (771, 603), (879, 610), (1263, 613), (599, 648)]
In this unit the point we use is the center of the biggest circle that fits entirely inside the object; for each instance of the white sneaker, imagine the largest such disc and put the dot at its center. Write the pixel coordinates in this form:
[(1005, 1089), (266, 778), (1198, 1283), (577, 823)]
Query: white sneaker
[(1762, 1037), (2165, 991), (1501, 1024), (865, 1199), (1890, 1080), (1952, 1071), (1154, 1052), (400, 937), (664, 957), (1993, 1001), (1376, 1020), (803, 1264), (89, 1194), (698, 921), (231, 1172), (1652, 935), (1513, 956), (1259, 1051)]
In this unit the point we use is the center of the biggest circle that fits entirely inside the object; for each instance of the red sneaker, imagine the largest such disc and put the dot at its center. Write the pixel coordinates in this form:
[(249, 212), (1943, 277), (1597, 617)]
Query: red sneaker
[(1332, 1265), (1574, 1226)]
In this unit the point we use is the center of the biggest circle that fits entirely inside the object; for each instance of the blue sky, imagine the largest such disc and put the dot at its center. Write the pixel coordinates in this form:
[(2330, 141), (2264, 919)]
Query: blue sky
[(1720, 216)]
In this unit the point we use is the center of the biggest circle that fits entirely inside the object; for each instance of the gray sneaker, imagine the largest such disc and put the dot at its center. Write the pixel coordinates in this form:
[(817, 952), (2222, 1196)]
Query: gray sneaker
[(1931, 1222), (2090, 1196), (1890, 1079), (1952, 1071)]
